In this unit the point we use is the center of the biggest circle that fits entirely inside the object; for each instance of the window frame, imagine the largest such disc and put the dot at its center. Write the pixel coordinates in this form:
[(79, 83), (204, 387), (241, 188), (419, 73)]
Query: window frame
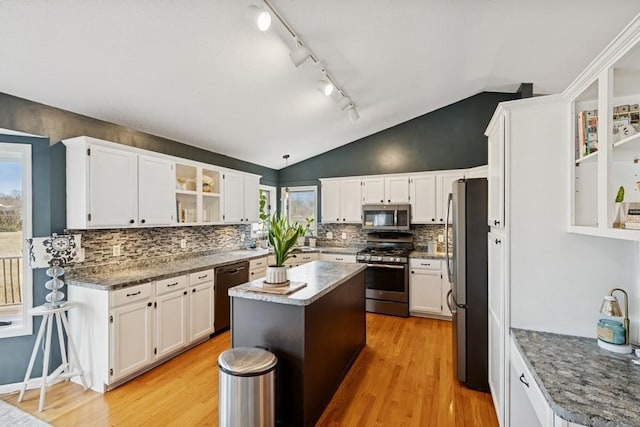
[(285, 206), (23, 324)]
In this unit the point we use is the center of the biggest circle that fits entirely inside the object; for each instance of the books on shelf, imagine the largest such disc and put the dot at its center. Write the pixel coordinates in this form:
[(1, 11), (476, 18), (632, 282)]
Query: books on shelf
[(626, 121)]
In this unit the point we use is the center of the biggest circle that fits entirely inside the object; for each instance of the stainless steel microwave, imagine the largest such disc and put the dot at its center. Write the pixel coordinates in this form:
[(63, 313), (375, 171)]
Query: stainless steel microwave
[(386, 217)]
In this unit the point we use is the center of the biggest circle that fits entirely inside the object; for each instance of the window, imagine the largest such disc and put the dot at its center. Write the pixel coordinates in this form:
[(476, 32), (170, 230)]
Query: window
[(299, 204), (15, 227), (266, 195)]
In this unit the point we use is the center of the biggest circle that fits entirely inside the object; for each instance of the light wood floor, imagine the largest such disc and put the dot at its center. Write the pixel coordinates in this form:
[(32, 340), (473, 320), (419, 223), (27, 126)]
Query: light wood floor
[(403, 377)]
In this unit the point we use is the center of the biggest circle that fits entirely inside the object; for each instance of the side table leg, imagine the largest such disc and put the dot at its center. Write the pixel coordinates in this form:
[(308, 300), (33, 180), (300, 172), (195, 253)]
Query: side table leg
[(27, 376), (63, 351), (72, 349), (45, 363)]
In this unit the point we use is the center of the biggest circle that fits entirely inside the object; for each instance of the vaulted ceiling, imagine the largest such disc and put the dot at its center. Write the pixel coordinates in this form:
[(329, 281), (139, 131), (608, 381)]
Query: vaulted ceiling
[(200, 72)]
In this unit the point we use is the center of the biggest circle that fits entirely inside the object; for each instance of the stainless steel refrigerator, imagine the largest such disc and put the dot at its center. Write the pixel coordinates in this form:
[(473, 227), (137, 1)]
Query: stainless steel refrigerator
[(467, 271)]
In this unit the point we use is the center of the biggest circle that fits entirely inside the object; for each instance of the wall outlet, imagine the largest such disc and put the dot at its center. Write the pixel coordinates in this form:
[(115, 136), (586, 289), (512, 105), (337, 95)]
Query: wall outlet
[(116, 250), (344, 236), (329, 235), (183, 243), (441, 238)]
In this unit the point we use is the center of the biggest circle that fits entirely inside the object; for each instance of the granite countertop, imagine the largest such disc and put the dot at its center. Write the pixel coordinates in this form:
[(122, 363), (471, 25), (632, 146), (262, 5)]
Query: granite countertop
[(583, 383), (321, 278), (135, 276)]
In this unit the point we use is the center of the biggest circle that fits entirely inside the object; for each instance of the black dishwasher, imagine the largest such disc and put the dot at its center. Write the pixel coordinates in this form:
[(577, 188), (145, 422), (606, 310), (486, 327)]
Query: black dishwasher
[(227, 277)]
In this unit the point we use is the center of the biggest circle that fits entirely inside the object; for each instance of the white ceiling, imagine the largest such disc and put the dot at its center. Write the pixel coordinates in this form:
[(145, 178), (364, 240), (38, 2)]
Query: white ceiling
[(198, 72)]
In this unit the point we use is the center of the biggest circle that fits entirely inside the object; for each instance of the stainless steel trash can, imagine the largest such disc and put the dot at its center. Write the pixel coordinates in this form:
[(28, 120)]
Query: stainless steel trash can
[(246, 388)]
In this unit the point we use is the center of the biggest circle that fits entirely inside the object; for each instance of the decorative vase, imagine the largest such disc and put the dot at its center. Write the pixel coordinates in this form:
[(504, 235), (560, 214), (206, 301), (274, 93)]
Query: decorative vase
[(276, 276), (619, 218)]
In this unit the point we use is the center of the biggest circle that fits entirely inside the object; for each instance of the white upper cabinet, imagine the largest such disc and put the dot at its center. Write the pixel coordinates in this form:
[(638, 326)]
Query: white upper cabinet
[(373, 190), (341, 201), (444, 183), (156, 203), (496, 138), (393, 189), (109, 187), (605, 140), (240, 197), (423, 198)]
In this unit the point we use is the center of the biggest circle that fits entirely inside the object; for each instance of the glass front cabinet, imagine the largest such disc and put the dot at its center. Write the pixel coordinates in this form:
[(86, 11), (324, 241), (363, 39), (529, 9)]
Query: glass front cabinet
[(605, 141)]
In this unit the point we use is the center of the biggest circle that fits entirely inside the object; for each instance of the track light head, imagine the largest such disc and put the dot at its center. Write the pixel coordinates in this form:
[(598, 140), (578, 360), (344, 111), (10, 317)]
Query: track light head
[(344, 102), (299, 54), (353, 113), (328, 87), (260, 17)]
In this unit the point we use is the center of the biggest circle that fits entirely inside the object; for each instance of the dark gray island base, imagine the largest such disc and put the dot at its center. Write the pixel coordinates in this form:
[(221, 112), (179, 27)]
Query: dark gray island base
[(316, 333)]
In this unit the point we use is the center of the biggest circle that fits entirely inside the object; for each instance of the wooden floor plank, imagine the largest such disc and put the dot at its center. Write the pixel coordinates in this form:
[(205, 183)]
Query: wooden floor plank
[(403, 377)]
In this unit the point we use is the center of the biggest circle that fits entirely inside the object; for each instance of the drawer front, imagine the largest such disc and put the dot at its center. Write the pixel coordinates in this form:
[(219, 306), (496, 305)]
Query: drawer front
[(338, 258), (168, 285), (131, 294), (302, 258), (525, 379), (429, 264), (257, 273), (201, 277), (258, 263)]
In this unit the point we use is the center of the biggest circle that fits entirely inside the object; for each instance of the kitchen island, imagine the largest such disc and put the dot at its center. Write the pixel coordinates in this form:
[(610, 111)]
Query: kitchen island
[(316, 334)]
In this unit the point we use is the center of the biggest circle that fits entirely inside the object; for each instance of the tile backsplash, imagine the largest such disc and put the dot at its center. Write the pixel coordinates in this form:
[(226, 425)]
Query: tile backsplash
[(140, 246), (145, 246)]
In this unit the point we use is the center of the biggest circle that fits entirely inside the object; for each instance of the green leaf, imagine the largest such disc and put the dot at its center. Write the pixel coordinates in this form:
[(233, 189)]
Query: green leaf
[(620, 195)]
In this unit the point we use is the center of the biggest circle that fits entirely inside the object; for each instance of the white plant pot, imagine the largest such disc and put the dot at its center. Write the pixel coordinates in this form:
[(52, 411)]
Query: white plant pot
[(276, 275), (312, 242)]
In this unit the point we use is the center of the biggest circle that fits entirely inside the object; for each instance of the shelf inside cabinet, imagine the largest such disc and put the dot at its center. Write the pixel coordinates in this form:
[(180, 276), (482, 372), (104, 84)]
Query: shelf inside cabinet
[(593, 157), (616, 233), (210, 181), (186, 177), (186, 208), (627, 148)]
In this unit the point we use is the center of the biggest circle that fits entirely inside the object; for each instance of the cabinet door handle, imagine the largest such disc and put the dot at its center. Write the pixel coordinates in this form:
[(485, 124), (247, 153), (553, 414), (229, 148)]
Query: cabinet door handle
[(171, 285), (496, 222), (498, 241), (523, 380), (339, 259), (133, 294), (131, 221), (203, 277)]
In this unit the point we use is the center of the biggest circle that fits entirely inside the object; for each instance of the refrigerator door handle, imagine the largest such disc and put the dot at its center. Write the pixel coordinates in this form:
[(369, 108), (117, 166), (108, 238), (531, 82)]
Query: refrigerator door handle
[(446, 238), (452, 307)]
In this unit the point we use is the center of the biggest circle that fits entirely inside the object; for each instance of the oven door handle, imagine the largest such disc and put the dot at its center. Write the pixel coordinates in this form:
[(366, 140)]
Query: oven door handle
[(397, 267)]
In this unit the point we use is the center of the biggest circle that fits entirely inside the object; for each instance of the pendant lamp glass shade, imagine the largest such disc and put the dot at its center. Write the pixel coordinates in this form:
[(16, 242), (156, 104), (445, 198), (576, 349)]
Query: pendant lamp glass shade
[(610, 306), (299, 54)]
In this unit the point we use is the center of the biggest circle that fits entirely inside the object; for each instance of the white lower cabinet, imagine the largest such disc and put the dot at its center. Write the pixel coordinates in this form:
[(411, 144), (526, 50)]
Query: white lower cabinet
[(122, 333), (257, 268), (427, 288), (201, 304), (172, 310), (131, 334)]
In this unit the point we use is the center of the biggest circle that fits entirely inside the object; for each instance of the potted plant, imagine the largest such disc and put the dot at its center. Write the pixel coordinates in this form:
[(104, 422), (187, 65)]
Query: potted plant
[(620, 213), (264, 218), (282, 238), (312, 239)]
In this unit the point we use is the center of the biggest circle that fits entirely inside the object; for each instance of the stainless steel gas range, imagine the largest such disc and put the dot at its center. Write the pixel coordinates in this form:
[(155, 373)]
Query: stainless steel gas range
[(387, 274)]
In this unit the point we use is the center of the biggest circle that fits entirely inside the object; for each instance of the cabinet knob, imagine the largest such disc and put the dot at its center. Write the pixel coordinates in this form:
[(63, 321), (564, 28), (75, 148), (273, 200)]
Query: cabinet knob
[(337, 219), (131, 221), (523, 380), (143, 221), (344, 219), (193, 290), (441, 219), (412, 272), (149, 304), (185, 292), (246, 219), (496, 222), (389, 201), (381, 201), (498, 241), (241, 219), (433, 220)]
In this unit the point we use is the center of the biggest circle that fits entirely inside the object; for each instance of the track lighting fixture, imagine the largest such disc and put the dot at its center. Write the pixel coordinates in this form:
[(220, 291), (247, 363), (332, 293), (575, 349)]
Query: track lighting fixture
[(301, 52), (353, 113), (260, 16)]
